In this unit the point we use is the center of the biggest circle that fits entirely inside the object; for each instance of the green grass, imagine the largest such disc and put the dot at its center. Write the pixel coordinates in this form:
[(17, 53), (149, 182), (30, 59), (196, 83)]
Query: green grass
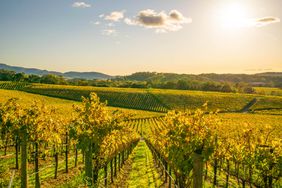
[(138, 171), (77, 181), (46, 170), (8, 159), (143, 172)]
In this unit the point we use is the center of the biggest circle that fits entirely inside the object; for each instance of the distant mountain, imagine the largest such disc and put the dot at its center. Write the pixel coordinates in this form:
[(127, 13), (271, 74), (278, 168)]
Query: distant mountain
[(87, 75), (27, 70), (259, 79), (70, 75)]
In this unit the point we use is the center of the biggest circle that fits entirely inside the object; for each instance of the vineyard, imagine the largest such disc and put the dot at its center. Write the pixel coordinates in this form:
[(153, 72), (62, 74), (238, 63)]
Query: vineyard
[(65, 107), (155, 100), (268, 91), (141, 94), (13, 85), (140, 100), (244, 152), (225, 102), (40, 135), (53, 142)]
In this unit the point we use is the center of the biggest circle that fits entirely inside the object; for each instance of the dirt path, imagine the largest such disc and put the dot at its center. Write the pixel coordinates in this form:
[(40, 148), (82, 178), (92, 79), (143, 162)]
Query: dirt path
[(248, 106)]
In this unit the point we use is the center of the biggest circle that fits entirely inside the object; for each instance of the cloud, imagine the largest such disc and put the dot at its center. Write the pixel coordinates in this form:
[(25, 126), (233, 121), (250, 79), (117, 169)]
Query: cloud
[(129, 21), (176, 15), (161, 22), (95, 22), (260, 22), (115, 16), (109, 32), (81, 5), (150, 18)]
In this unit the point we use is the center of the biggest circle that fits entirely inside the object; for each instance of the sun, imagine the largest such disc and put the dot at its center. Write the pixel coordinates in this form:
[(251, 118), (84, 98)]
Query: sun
[(232, 15)]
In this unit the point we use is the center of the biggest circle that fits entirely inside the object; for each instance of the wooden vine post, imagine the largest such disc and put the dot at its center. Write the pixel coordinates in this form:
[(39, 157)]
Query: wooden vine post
[(112, 173), (198, 166), (106, 175), (67, 153), (24, 160)]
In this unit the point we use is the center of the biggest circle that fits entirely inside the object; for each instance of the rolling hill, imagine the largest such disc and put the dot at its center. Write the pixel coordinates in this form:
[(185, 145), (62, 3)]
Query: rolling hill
[(70, 75)]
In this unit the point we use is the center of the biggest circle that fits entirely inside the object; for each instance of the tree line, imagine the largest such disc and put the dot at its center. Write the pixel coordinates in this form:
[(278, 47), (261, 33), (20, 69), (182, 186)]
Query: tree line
[(236, 83)]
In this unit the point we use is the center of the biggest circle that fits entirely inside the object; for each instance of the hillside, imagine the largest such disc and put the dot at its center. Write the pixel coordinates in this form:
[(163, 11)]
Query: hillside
[(71, 74), (136, 161), (261, 79), (258, 79), (157, 100)]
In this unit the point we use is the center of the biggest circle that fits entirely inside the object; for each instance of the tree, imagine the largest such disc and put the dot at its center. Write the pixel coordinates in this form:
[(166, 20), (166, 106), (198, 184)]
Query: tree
[(248, 89), (6, 75), (226, 88), (211, 86), (33, 78), (53, 79), (169, 85), (19, 77), (182, 84)]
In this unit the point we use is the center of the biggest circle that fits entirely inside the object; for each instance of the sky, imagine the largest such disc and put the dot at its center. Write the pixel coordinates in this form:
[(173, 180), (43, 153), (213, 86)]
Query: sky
[(120, 37)]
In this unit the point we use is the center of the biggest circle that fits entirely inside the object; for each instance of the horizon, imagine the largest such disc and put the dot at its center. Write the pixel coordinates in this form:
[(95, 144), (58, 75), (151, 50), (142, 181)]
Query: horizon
[(195, 37), (50, 70)]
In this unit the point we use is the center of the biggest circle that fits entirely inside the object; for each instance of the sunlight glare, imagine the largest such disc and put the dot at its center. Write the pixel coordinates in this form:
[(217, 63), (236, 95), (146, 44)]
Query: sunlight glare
[(233, 16)]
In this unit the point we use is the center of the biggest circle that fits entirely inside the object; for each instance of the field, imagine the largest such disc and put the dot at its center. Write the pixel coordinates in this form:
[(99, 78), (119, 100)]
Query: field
[(268, 91), (63, 106), (116, 97), (232, 129), (239, 138), (157, 100), (141, 94), (227, 102)]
